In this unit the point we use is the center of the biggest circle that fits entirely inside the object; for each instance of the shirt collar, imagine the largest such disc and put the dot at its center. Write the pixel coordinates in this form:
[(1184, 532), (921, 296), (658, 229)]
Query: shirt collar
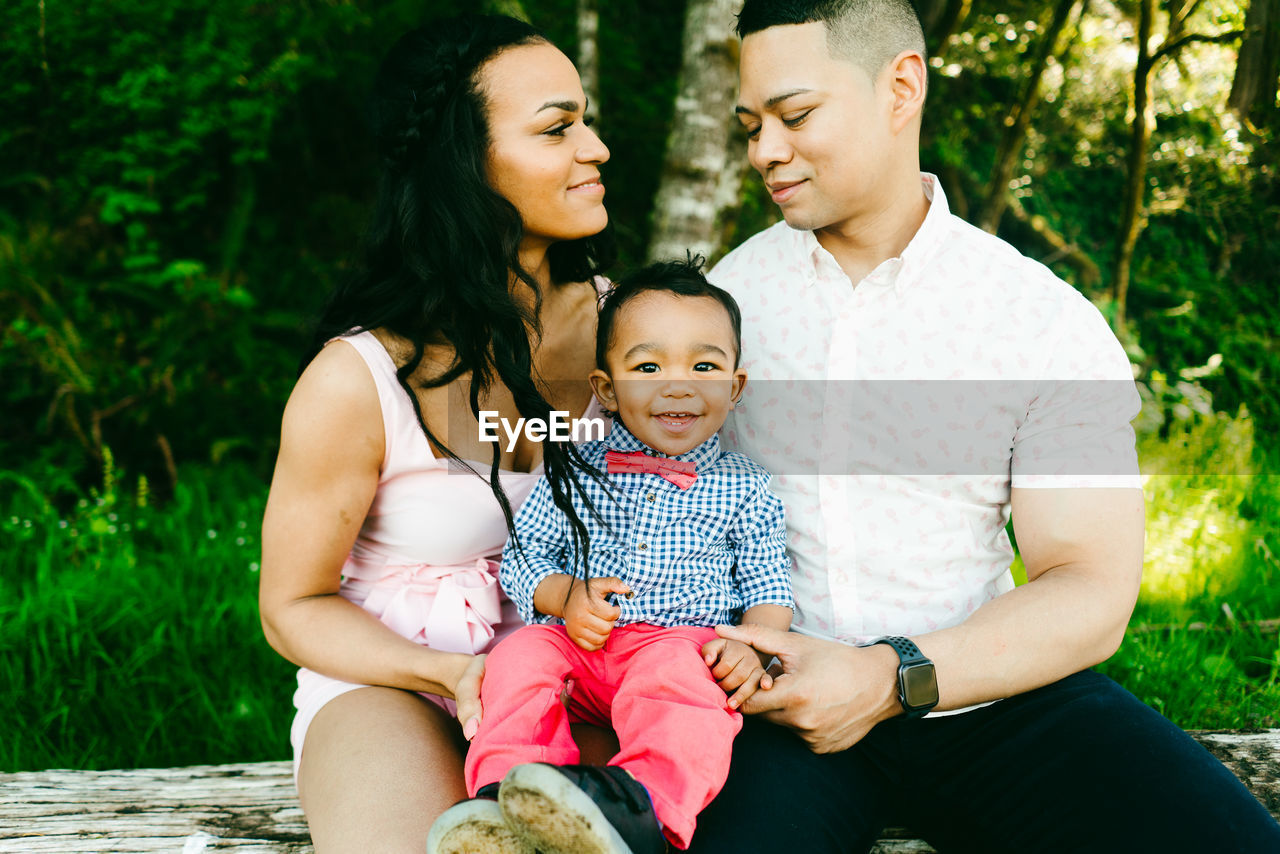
[(620, 439), (904, 269)]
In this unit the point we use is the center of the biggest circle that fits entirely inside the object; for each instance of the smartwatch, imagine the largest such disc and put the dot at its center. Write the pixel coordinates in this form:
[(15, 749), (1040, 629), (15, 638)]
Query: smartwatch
[(917, 681)]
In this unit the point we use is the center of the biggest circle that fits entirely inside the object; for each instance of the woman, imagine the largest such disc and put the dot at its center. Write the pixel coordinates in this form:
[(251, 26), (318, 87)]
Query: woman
[(474, 294)]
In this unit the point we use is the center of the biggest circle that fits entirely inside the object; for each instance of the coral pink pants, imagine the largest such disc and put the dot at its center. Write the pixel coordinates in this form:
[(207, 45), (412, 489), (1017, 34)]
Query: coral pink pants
[(649, 683)]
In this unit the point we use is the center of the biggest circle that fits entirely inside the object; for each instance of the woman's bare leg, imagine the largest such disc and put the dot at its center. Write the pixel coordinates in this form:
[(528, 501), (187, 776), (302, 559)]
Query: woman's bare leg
[(378, 765)]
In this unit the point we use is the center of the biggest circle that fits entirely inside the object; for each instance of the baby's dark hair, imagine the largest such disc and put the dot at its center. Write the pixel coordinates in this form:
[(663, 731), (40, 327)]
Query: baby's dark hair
[(682, 278)]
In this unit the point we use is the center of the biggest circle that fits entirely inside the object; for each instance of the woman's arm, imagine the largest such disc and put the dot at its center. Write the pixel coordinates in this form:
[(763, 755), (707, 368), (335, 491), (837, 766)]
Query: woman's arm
[(331, 449)]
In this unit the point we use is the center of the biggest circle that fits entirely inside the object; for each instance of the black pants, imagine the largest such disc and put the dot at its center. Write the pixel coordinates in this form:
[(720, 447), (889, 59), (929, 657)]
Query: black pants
[(1081, 766)]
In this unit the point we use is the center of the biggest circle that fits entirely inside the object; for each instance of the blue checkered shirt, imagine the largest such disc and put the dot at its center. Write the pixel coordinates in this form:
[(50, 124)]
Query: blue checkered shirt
[(692, 557)]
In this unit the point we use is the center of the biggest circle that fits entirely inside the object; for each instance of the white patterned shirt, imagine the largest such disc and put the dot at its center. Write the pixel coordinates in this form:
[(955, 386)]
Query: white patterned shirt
[(692, 557), (896, 415)]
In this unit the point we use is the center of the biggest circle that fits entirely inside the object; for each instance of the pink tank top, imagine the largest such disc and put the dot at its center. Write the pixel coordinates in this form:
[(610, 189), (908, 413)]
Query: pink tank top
[(423, 560)]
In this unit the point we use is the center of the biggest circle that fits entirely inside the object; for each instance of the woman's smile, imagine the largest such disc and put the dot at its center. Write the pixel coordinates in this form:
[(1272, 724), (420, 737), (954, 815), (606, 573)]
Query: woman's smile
[(593, 186)]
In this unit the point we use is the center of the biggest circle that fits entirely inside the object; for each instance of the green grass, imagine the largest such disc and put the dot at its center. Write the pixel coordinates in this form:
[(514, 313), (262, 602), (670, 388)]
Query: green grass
[(1213, 537), (129, 634)]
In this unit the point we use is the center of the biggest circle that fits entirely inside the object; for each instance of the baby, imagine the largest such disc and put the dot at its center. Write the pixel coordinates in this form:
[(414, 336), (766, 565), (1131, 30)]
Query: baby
[(685, 536)]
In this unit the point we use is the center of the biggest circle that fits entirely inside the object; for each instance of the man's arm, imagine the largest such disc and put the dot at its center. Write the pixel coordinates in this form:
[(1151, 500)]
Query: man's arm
[(1083, 553)]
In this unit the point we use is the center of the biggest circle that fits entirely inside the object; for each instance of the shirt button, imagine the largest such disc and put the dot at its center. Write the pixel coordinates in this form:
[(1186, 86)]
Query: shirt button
[(643, 546), (651, 498)]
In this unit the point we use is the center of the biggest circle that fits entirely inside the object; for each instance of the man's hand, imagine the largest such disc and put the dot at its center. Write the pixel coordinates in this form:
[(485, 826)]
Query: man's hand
[(737, 668), (831, 694), (588, 615)]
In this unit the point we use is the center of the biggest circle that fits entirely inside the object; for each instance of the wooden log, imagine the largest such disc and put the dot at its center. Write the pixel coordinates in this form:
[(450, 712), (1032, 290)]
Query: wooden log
[(253, 808), (1253, 757), (250, 808)]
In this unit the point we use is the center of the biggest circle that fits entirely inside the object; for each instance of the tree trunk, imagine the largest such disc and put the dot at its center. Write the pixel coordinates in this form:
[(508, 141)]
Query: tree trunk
[(253, 807), (1131, 217), (1140, 133), (589, 55), (940, 19), (704, 164), (1019, 120), (1253, 90), (1056, 247)]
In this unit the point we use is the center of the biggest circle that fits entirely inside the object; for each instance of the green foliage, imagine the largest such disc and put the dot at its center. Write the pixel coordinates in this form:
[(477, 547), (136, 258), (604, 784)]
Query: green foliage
[(130, 320), (1203, 283), (183, 185), (129, 632), (1199, 648)]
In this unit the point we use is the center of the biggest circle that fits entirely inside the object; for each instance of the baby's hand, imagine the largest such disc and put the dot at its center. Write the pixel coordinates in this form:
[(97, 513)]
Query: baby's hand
[(588, 615), (737, 669)]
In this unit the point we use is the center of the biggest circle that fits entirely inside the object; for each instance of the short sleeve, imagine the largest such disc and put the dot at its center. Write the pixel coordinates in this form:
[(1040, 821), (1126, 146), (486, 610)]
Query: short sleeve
[(1078, 429)]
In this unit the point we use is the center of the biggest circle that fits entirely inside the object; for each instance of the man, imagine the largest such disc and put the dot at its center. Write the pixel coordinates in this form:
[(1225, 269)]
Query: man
[(917, 380)]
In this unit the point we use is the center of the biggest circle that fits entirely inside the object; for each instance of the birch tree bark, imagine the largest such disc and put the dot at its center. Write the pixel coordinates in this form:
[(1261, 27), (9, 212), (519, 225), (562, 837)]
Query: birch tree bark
[(589, 55), (705, 160)]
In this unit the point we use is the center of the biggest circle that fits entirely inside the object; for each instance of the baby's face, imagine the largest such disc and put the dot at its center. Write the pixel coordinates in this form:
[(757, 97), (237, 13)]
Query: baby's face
[(671, 377)]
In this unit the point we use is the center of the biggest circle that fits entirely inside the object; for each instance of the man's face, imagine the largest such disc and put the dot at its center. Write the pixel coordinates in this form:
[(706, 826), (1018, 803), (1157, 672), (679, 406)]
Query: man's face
[(818, 127)]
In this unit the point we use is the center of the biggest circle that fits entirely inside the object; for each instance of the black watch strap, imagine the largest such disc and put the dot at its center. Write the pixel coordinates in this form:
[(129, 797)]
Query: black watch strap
[(908, 652), (912, 664)]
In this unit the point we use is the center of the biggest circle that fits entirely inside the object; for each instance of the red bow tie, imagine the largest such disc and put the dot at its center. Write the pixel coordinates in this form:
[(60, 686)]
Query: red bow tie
[(680, 472)]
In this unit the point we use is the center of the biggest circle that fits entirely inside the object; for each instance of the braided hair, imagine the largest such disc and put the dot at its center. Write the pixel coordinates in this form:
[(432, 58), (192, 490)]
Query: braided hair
[(441, 245)]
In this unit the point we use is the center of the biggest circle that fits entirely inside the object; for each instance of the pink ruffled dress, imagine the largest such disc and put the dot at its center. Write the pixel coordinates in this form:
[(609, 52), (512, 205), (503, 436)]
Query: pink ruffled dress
[(423, 562)]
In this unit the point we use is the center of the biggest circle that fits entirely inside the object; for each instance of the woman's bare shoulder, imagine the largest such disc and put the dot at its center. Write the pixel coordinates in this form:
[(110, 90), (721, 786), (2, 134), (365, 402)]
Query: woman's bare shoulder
[(335, 405), (338, 373), (437, 354)]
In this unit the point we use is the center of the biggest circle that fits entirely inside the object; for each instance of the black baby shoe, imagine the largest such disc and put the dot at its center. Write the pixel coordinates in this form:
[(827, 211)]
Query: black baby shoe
[(580, 809)]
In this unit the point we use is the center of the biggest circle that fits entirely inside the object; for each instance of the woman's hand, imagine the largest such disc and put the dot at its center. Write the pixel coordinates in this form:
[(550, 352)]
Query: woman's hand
[(466, 693)]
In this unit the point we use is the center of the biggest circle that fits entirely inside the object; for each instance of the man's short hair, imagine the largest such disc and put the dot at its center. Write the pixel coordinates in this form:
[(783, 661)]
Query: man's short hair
[(868, 33)]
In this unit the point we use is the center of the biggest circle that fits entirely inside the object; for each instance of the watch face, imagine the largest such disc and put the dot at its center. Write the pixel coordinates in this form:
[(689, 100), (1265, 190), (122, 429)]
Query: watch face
[(920, 685)]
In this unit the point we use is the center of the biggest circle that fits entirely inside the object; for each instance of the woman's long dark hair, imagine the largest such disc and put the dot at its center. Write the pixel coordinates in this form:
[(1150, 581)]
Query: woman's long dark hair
[(442, 245)]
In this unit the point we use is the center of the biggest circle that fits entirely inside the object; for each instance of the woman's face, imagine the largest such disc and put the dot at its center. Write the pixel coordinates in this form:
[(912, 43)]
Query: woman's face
[(542, 157)]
